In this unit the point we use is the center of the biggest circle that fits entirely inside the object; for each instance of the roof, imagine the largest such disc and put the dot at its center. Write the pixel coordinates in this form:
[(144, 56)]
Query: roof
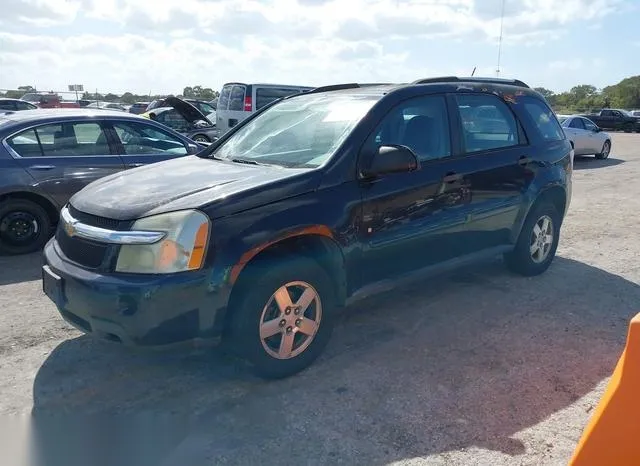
[(14, 100), (60, 114)]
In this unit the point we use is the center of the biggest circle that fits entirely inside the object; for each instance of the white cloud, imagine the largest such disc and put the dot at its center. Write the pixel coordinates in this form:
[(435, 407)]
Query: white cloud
[(167, 44)]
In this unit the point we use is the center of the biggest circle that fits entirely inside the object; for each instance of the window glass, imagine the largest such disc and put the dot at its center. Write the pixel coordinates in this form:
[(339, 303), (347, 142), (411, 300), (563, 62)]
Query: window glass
[(73, 139), (576, 123), (236, 99), (138, 138), (25, 144), (8, 105), (487, 122), (420, 124), (204, 107), (589, 125), (544, 119), (25, 105), (266, 95), (223, 100), (173, 120), (304, 131)]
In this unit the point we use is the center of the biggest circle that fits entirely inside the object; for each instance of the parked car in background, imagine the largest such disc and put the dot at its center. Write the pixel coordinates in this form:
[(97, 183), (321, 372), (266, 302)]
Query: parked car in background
[(48, 155), (635, 113), (15, 105), (585, 136), (48, 100), (203, 106), (615, 119), (314, 202), (138, 108), (238, 101), (184, 118), (107, 106)]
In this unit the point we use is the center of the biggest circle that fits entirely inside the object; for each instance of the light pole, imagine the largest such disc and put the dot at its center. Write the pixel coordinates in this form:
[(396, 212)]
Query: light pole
[(500, 39)]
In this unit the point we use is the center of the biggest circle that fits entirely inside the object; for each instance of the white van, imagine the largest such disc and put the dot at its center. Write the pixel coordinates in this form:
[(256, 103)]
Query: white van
[(238, 100)]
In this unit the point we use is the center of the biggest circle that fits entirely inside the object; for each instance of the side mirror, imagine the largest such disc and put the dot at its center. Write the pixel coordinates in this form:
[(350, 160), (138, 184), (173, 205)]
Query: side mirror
[(392, 159), (597, 130)]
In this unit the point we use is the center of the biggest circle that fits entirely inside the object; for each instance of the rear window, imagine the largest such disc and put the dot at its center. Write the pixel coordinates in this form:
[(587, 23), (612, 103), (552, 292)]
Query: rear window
[(266, 95), (236, 99), (544, 118), (223, 100)]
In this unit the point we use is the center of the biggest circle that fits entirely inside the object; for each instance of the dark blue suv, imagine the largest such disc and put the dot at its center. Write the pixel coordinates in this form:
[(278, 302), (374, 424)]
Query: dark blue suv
[(318, 199)]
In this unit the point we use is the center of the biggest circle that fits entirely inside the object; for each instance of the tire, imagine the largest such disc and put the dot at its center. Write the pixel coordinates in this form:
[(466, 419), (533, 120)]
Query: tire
[(201, 138), (522, 260), (606, 149), (628, 128), (31, 219), (257, 305)]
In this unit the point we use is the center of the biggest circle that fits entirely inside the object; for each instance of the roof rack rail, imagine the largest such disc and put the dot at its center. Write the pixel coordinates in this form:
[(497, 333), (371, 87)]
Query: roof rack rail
[(455, 79), (339, 87)]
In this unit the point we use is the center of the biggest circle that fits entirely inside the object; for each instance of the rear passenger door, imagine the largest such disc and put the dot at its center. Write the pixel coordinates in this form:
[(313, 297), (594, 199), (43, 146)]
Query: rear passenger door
[(498, 160), (236, 110), (140, 143), (64, 157), (578, 135)]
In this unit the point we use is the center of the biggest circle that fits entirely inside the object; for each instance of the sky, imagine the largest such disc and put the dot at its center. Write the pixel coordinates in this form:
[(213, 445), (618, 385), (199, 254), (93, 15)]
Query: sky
[(161, 46)]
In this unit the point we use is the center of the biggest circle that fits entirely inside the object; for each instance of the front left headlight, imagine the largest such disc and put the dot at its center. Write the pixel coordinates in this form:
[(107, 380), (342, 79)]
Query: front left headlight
[(183, 247)]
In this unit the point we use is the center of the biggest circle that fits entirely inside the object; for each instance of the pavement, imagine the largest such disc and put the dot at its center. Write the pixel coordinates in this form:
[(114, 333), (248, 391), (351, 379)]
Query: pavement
[(475, 367)]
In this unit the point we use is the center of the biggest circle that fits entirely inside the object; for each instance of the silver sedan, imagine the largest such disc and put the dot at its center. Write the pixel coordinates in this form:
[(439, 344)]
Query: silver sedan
[(585, 136)]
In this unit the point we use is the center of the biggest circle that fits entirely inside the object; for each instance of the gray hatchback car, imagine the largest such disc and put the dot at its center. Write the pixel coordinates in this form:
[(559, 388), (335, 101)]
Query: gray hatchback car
[(46, 156)]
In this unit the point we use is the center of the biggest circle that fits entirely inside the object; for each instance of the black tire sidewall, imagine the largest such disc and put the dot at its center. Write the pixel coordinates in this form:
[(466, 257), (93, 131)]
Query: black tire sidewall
[(258, 286), (42, 218), (520, 260), (604, 155), (201, 138)]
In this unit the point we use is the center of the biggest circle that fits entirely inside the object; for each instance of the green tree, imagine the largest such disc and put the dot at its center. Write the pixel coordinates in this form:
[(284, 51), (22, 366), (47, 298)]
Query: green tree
[(128, 98)]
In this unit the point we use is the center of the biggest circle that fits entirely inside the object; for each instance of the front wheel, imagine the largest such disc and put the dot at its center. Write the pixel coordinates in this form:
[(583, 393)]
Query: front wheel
[(201, 138), (538, 241), (606, 149), (284, 316)]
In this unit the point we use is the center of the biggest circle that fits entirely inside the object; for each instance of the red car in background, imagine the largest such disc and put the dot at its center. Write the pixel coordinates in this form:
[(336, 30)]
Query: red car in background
[(49, 100)]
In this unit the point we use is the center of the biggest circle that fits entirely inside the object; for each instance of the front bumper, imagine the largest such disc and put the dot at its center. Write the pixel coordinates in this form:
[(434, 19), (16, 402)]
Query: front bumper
[(144, 310)]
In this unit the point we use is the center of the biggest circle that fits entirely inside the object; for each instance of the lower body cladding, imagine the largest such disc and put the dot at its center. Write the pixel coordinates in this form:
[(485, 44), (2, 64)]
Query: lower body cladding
[(145, 310)]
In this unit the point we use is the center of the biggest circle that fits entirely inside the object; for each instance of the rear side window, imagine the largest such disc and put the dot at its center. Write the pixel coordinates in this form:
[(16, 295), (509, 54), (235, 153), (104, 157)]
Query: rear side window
[(7, 105), (266, 95), (236, 99), (544, 119), (487, 123), (576, 123), (73, 139), (26, 144)]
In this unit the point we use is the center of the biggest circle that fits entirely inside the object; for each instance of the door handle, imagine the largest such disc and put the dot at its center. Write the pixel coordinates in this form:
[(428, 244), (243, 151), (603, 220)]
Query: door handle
[(42, 167), (134, 165), (451, 177), (524, 161)]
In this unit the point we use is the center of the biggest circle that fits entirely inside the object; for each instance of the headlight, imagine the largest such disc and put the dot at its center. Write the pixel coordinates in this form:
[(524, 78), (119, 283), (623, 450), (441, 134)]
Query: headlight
[(182, 248)]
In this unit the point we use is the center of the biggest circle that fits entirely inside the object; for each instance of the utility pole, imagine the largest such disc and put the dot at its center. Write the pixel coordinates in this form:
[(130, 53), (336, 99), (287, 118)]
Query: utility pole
[(500, 40)]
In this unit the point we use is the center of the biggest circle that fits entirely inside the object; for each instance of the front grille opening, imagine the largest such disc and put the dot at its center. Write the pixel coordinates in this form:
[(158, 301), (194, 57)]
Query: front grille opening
[(94, 220), (81, 251)]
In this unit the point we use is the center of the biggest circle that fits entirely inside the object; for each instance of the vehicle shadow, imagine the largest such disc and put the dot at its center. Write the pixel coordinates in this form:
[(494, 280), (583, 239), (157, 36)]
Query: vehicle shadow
[(17, 269), (466, 360), (581, 162)]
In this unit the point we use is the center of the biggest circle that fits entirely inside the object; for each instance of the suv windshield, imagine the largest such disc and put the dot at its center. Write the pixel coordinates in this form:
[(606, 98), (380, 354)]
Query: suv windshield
[(301, 132)]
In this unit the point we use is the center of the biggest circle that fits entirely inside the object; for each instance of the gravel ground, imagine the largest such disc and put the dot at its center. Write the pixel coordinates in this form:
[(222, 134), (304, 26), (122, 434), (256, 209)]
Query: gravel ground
[(477, 367)]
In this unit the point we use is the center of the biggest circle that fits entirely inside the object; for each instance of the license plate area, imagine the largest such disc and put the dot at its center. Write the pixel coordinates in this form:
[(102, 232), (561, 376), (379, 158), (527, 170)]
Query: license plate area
[(52, 285)]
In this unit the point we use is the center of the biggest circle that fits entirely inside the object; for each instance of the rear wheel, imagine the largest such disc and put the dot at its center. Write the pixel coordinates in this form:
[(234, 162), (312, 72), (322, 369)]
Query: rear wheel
[(538, 241), (24, 227), (628, 128), (606, 149), (284, 316)]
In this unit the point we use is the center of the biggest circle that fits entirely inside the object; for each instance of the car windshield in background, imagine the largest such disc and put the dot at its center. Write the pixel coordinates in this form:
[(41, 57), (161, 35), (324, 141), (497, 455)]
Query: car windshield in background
[(562, 120), (302, 132)]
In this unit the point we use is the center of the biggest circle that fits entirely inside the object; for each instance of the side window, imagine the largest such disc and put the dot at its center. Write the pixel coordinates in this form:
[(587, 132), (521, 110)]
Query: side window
[(606, 113), (25, 144), (420, 124), (25, 106), (576, 123), (140, 139), (589, 125), (236, 99), (266, 95), (173, 120), (73, 139), (487, 123), (8, 105), (223, 100), (544, 119)]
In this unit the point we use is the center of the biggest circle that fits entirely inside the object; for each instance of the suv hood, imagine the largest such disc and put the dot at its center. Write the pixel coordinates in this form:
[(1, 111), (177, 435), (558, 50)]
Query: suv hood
[(191, 182), (189, 112)]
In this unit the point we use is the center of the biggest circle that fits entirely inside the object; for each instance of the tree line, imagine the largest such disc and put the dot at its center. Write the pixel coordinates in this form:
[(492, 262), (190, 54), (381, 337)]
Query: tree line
[(189, 92), (585, 97)]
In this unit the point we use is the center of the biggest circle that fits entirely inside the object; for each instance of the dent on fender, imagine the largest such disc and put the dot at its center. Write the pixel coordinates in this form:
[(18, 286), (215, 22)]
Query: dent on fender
[(318, 230)]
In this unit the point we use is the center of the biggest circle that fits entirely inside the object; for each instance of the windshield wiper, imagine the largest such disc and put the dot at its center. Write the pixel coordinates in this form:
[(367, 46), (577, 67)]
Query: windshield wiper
[(248, 162)]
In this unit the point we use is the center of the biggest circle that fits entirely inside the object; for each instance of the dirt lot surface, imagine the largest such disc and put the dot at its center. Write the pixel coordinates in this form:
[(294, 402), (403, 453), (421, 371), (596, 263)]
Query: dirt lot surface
[(477, 367)]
